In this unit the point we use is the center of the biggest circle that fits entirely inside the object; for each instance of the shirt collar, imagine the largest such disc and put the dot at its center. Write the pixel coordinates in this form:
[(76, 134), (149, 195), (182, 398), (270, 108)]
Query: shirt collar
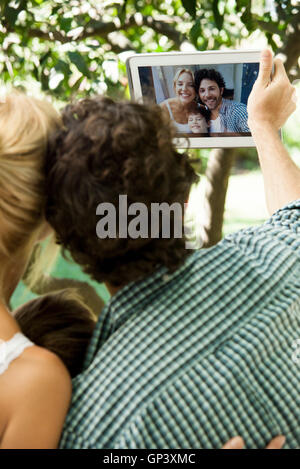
[(128, 301)]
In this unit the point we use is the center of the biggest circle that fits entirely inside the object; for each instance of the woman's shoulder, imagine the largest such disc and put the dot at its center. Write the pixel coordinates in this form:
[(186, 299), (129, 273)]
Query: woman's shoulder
[(34, 373), (40, 362), (36, 382), (35, 397), (170, 101)]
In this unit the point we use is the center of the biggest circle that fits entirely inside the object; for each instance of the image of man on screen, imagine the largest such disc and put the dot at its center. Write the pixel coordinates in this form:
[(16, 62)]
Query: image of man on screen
[(226, 115)]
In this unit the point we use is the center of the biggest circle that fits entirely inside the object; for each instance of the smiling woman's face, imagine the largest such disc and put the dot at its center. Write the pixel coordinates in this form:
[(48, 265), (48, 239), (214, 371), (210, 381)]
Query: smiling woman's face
[(184, 88)]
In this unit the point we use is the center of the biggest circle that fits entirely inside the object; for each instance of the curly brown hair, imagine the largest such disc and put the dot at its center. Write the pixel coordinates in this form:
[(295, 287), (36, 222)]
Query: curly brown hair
[(106, 149)]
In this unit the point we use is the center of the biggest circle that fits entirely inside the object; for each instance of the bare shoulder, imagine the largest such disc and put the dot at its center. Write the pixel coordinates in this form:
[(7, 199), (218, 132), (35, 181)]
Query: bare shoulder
[(38, 395), (44, 367), (41, 356), (37, 372), (170, 101)]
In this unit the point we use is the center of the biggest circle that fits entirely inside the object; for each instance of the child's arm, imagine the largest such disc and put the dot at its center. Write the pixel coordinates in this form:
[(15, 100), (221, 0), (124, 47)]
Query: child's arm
[(38, 401)]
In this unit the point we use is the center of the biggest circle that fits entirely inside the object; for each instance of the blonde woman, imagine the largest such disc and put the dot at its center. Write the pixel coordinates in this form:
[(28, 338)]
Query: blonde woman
[(35, 386), (184, 88)]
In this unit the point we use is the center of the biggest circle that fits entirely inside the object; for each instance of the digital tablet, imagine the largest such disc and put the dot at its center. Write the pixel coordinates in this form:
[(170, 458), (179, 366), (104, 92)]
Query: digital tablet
[(204, 93)]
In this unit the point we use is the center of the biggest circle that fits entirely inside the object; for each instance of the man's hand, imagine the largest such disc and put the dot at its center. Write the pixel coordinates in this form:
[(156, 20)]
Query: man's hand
[(238, 443), (271, 102)]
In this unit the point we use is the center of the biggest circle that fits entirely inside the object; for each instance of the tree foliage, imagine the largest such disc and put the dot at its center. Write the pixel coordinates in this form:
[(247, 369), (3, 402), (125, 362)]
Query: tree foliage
[(72, 47), (77, 47)]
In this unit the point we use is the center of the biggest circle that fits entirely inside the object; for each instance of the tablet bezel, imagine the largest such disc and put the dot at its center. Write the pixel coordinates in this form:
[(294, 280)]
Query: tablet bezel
[(186, 59)]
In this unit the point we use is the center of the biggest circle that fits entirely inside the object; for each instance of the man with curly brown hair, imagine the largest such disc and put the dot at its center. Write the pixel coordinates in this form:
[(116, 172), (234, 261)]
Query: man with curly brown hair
[(226, 115), (193, 347)]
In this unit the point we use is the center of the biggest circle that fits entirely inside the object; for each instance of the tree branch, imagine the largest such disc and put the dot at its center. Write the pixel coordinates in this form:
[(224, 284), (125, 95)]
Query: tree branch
[(267, 26), (291, 46), (51, 35), (103, 29), (290, 38), (217, 176), (281, 13)]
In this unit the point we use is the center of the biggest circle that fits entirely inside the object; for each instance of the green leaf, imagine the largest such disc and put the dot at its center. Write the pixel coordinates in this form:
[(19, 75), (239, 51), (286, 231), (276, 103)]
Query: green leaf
[(56, 9), (204, 16), (11, 15), (65, 24), (219, 19), (282, 27), (79, 62), (241, 4), (44, 79), (63, 67), (2, 5), (246, 18), (271, 41), (77, 84), (35, 72), (122, 12), (195, 32), (44, 57), (190, 6)]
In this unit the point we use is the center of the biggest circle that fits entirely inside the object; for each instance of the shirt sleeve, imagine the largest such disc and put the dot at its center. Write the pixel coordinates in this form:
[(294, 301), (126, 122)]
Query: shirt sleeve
[(274, 246), (240, 116)]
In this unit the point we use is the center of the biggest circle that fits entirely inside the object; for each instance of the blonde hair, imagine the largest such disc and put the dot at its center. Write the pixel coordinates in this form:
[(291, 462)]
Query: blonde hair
[(179, 71), (25, 124)]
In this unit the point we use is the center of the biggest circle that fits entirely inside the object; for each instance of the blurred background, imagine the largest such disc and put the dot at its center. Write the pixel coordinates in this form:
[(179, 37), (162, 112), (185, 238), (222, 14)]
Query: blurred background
[(71, 49)]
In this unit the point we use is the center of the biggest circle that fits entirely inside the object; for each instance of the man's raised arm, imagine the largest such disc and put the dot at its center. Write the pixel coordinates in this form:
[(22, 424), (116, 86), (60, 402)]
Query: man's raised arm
[(270, 104)]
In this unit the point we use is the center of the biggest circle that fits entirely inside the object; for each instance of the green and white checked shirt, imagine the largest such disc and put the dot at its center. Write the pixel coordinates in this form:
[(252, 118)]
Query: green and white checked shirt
[(234, 116), (191, 359)]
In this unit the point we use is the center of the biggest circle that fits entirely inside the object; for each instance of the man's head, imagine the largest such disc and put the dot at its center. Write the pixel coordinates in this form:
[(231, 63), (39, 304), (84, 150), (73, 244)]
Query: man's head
[(209, 85), (104, 150)]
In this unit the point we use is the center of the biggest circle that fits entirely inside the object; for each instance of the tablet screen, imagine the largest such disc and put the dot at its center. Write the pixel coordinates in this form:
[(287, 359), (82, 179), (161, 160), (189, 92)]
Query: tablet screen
[(202, 100)]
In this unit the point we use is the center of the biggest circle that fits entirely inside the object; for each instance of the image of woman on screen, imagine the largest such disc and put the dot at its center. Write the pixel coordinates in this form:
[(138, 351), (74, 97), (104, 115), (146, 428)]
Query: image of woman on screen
[(198, 118), (185, 94)]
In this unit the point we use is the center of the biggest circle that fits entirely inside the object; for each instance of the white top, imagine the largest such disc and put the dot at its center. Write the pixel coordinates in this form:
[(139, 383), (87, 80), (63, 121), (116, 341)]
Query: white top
[(215, 125), (12, 349), (184, 128)]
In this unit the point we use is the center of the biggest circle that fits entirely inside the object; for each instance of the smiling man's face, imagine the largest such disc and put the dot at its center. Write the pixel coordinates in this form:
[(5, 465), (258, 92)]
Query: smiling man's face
[(210, 93), (184, 88)]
